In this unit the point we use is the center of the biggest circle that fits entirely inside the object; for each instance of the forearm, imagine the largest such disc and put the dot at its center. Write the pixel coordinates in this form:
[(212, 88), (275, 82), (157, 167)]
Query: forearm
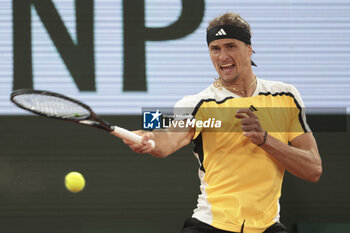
[(301, 162)]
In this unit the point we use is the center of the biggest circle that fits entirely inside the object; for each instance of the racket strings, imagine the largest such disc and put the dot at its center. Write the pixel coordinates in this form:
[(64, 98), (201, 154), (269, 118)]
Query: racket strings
[(52, 106)]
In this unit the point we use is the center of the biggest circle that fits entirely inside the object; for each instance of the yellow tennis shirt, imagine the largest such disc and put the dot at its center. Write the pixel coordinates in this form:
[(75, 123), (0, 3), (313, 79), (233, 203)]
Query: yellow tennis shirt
[(240, 182)]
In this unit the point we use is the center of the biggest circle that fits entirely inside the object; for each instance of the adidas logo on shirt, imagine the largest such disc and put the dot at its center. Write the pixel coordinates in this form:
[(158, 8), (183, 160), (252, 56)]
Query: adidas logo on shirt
[(221, 32), (252, 108)]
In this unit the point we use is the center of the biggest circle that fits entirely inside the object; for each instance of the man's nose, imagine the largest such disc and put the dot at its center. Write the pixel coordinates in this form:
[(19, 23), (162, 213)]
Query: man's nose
[(223, 55)]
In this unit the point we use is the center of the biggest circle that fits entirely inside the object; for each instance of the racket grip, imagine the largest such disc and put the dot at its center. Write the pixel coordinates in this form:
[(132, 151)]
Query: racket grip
[(128, 135)]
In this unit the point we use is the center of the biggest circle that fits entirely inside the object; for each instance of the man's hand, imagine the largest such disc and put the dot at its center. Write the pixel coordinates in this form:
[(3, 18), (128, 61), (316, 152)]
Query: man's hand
[(167, 141), (251, 126), (144, 147)]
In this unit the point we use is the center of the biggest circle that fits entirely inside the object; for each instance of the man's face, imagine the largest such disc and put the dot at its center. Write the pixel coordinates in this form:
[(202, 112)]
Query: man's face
[(230, 57)]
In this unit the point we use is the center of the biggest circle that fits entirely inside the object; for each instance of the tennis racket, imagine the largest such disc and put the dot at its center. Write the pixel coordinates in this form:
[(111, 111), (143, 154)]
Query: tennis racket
[(57, 106)]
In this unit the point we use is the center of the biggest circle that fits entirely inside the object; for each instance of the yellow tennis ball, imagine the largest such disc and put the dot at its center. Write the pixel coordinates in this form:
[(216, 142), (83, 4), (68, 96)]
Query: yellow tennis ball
[(74, 182)]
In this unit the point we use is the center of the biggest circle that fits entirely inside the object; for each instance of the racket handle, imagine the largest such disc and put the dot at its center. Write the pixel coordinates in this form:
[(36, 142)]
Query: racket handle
[(128, 135)]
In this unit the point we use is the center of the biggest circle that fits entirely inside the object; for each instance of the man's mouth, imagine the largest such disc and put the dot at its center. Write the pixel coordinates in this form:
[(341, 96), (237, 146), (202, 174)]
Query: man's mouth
[(227, 66)]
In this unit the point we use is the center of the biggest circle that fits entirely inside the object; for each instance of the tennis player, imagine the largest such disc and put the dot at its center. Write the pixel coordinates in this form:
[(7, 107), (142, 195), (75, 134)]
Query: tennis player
[(241, 168)]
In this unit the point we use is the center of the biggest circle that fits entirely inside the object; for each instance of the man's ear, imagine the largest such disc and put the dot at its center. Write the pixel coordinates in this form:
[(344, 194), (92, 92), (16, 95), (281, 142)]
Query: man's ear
[(250, 50)]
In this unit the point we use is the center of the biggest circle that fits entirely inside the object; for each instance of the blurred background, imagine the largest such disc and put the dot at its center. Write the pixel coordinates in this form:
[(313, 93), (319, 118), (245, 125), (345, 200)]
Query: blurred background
[(119, 56)]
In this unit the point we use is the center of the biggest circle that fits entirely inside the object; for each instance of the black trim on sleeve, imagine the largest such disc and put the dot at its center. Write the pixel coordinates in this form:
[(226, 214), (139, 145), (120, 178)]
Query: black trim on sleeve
[(301, 121), (195, 110), (198, 142), (198, 148)]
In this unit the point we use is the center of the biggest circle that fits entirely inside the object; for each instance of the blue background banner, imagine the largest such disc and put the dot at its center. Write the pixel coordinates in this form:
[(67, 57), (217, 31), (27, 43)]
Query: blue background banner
[(118, 56)]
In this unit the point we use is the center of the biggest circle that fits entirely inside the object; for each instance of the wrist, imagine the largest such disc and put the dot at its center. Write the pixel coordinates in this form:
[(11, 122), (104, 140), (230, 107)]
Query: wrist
[(264, 139)]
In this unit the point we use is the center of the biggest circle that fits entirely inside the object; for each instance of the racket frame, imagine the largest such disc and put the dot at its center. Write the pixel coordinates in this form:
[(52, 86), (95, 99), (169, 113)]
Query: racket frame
[(92, 120)]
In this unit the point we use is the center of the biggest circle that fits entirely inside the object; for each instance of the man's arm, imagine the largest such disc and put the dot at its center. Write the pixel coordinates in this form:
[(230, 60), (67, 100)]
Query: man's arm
[(167, 141), (301, 158)]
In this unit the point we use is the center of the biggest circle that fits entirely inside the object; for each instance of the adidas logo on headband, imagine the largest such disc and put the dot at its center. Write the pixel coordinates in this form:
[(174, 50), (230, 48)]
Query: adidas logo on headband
[(221, 32)]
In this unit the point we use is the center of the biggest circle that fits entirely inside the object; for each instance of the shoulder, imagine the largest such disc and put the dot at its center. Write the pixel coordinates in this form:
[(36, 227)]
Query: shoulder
[(269, 87), (275, 87), (191, 101)]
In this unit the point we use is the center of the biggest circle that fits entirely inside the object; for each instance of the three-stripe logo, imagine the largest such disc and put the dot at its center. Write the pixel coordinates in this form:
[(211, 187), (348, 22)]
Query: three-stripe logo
[(221, 32), (252, 108)]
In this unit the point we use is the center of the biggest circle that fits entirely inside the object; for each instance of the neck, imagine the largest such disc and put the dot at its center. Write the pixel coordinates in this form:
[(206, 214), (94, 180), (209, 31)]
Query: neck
[(241, 85)]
